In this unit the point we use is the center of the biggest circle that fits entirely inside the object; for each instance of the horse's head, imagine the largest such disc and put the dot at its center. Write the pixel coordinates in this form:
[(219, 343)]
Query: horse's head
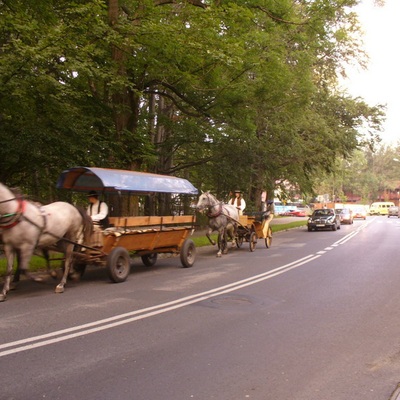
[(204, 202)]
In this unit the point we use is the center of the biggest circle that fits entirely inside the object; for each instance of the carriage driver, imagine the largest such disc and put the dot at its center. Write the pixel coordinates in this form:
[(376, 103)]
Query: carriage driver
[(98, 211), (238, 202)]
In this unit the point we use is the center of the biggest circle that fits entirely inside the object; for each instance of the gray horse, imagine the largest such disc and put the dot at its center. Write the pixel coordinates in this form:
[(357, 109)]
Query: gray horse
[(25, 226), (222, 218)]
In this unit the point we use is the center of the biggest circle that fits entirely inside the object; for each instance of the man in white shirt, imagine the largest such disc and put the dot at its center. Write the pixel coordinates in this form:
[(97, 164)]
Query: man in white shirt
[(98, 211), (238, 202)]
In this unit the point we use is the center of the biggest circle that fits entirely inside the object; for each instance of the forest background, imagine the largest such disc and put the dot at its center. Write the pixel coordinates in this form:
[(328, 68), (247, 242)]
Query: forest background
[(228, 94)]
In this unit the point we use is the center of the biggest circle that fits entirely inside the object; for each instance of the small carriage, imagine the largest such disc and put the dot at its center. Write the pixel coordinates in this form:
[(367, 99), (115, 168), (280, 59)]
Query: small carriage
[(127, 236), (250, 229)]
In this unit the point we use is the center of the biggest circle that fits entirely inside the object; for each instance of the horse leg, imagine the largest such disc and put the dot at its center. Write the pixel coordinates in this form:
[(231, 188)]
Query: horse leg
[(220, 243), (50, 271), (9, 252), (67, 266), (208, 234), (17, 274), (225, 235)]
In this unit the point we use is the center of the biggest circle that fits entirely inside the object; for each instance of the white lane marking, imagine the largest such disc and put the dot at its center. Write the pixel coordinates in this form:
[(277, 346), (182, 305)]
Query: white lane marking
[(27, 344), (121, 319)]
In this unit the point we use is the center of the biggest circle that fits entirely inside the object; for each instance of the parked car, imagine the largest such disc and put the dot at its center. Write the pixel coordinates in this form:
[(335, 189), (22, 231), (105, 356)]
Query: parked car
[(324, 218), (294, 213), (393, 211), (360, 212), (346, 216)]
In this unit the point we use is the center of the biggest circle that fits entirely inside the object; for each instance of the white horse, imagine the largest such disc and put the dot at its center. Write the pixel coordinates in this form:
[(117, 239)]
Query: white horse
[(26, 226), (221, 217)]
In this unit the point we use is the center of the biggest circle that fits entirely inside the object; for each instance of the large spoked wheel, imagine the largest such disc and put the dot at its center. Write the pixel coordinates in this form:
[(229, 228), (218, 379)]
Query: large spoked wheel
[(118, 264), (239, 241), (149, 259), (253, 241), (268, 239), (188, 253)]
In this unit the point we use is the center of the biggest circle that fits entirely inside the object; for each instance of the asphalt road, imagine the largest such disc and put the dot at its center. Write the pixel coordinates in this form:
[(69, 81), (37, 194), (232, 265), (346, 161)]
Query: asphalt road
[(314, 317)]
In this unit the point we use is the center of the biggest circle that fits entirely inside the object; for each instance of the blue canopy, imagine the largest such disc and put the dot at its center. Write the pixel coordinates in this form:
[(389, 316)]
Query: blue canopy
[(84, 179)]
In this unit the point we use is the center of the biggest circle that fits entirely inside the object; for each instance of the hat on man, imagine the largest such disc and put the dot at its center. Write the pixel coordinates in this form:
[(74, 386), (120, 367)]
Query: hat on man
[(92, 193), (237, 191)]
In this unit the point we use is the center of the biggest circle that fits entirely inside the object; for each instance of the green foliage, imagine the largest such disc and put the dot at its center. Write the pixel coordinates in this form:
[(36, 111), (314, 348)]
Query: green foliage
[(237, 94)]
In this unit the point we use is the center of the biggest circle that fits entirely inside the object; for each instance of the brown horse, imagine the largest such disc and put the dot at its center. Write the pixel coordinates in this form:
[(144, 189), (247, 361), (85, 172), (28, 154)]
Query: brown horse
[(26, 226), (221, 217)]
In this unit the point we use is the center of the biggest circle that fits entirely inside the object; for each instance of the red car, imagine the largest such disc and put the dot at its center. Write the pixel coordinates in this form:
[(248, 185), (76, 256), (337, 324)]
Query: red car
[(360, 212), (294, 213)]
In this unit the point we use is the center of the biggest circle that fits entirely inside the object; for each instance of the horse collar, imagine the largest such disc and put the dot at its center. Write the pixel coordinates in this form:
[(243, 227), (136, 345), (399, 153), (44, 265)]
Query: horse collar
[(217, 213), (14, 218)]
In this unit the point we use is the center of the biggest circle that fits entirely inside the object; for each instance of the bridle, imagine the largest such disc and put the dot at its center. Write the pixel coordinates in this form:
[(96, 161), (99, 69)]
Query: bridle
[(218, 212), (9, 220)]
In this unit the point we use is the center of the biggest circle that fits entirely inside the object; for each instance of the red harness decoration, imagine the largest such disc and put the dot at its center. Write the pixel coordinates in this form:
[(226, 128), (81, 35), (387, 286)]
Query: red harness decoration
[(18, 214)]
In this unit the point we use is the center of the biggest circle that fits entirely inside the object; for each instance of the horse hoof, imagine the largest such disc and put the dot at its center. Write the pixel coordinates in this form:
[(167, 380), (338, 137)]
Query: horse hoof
[(219, 255), (2, 297), (59, 289)]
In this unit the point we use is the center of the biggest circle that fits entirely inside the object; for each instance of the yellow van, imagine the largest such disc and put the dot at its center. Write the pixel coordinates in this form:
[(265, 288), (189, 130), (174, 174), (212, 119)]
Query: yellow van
[(380, 207)]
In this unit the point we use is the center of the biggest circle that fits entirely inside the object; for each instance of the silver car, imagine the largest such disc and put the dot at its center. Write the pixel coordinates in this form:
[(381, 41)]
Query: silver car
[(393, 211)]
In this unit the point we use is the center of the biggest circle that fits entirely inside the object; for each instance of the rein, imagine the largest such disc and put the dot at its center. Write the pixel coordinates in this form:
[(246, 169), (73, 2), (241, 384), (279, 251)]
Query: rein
[(12, 219)]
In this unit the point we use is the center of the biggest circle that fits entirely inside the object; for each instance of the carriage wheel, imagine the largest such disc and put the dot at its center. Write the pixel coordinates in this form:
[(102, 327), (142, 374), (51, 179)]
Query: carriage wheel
[(253, 241), (188, 253), (149, 259), (118, 264), (268, 239), (239, 241)]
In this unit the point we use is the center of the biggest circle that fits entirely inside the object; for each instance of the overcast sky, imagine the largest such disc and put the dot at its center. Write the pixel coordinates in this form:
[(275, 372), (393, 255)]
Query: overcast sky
[(381, 82)]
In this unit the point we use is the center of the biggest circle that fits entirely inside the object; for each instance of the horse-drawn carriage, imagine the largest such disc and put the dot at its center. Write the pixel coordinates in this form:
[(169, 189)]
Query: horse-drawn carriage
[(26, 226), (225, 219), (250, 229), (143, 236)]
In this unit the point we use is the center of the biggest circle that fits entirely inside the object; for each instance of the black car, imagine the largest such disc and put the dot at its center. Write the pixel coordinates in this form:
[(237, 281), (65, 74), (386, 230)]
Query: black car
[(324, 218)]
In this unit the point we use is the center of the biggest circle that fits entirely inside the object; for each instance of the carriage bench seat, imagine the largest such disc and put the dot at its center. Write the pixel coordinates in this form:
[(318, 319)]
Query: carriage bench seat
[(153, 222)]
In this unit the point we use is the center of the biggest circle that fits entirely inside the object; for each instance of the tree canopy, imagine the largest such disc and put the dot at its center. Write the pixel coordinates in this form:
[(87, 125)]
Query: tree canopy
[(228, 94)]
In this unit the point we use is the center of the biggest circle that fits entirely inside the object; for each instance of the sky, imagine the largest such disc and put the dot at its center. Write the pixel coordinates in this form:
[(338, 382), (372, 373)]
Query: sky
[(380, 83)]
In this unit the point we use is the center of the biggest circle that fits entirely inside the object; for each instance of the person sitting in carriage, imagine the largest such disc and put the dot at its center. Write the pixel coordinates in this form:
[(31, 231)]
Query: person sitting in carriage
[(238, 201), (98, 211), (269, 215)]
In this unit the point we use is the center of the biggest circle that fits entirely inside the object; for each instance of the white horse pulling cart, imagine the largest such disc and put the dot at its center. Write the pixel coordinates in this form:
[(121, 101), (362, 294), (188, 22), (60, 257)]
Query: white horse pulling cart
[(143, 236)]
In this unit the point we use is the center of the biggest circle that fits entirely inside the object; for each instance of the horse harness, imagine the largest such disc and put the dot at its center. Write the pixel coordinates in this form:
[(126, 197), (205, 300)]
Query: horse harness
[(13, 219), (220, 211), (9, 220)]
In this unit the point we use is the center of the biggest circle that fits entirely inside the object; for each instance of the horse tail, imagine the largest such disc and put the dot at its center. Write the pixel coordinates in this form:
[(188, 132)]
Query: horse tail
[(87, 225)]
